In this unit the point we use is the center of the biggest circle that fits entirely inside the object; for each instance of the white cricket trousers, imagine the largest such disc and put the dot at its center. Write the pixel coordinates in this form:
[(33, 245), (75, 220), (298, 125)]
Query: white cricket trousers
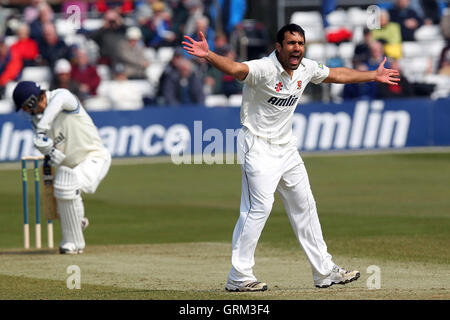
[(86, 177), (267, 168)]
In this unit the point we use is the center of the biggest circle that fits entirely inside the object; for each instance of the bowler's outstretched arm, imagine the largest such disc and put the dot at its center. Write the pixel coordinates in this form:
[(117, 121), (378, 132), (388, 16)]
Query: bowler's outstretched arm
[(346, 75), (201, 49)]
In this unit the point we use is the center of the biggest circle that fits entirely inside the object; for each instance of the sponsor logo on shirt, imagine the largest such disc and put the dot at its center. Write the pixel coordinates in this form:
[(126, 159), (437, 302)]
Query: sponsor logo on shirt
[(286, 102), (60, 138), (320, 65), (279, 86)]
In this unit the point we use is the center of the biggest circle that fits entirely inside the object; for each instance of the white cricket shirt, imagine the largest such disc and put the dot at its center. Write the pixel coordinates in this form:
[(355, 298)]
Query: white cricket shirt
[(71, 128), (270, 95)]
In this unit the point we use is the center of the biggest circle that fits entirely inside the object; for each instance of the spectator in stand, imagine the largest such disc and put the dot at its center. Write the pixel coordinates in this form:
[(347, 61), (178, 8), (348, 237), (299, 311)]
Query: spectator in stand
[(109, 36), (130, 54), (195, 11), (180, 15), (231, 12), (183, 87), (408, 19), (124, 7), (85, 74), (37, 26), (31, 12), (10, 65), (144, 9), (361, 54), (428, 10), (202, 25), (217, 82), (122, 93), (62, 78), (157, 28), (52, 47), (390, 35), (401, 90), (366, 89), (170, 74), (25, 47), (443, 67)]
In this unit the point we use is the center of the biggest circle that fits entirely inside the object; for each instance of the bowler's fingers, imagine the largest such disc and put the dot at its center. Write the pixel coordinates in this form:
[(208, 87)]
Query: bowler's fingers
[(189, 39), (393, 81)]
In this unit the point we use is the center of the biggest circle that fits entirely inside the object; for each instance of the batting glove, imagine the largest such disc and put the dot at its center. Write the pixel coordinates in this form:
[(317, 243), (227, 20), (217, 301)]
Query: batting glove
[(43, 143), (56, 157)]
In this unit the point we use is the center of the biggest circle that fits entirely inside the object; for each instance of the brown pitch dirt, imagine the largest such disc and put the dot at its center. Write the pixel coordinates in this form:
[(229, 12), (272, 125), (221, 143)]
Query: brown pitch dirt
[(199, 270)]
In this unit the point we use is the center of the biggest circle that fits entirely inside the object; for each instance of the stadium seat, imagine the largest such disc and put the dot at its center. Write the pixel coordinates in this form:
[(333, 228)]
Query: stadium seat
[(428, 33), (92, 24), (315, 51), (64, 27), (216, 100), (37, 74), (433, 48), (75, 39), (235, 100), (331, 50), (124, 95), (6, 106), (346, 50), (154, 72), (357, 17), (415, 69), (97, 104), (9, 89), (412, 49), (312, 23), (337, 18), (104, 72), (165, 54), (150, 54), (10, 40)]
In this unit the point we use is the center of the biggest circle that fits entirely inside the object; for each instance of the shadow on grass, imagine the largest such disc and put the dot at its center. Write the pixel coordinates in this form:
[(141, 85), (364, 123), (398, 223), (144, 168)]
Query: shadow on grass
[(29, 252)]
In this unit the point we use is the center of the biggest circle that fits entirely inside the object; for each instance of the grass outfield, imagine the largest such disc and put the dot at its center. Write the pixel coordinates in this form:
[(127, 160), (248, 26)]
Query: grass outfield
[(161, 231)]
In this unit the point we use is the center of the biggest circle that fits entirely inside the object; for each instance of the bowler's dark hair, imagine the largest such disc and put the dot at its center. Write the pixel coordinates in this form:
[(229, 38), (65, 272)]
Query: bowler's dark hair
[(291, 28)]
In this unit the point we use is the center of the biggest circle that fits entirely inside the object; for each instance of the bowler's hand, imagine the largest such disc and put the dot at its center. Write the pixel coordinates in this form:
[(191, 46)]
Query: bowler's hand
[(388, 76), (196, 48)]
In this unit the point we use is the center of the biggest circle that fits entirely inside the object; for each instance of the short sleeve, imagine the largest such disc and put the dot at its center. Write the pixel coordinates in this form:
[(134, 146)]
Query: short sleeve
[(257, 71), (319, 72)]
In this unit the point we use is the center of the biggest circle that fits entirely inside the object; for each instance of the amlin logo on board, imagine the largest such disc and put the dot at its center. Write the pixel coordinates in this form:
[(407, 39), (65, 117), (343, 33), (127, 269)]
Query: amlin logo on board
[(369, 126)]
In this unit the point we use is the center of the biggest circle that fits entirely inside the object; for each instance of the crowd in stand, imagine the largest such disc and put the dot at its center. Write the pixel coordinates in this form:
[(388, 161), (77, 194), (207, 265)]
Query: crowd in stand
[(128, 28)]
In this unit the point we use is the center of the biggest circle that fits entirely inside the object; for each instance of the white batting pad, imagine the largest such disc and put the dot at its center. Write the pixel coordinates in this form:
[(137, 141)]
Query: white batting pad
[(71, 213), (66, 184)]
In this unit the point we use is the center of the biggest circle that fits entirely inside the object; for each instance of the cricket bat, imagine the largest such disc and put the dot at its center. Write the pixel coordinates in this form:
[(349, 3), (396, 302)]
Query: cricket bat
[(48, 198)]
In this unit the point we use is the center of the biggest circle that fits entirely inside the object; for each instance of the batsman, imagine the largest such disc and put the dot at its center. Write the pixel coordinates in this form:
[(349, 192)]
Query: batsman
[(67, 136)]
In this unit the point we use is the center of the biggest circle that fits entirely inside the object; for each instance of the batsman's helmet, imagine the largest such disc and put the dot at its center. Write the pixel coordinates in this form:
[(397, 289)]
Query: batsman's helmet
[(26, 93)]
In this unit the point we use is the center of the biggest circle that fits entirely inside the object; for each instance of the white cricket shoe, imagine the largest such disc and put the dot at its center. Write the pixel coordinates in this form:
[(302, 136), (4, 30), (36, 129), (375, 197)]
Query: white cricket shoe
[(338, 275), (245, 286), (84, 223), (69, 248)]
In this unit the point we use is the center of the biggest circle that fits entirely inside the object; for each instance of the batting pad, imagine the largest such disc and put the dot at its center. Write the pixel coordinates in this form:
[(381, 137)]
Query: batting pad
[(70, 213), (66, 184)]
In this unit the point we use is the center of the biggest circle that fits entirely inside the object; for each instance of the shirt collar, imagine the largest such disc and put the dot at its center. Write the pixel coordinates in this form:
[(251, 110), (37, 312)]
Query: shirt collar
[(275, 61), (278, 65)]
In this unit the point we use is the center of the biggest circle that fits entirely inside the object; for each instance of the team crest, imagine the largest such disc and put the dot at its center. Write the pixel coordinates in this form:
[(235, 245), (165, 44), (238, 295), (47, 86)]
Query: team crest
[(299, 84), (279, 86)]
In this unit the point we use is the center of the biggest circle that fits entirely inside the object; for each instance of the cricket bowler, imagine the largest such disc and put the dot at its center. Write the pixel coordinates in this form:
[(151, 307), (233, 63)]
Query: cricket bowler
[(67, 135), (269, 157)]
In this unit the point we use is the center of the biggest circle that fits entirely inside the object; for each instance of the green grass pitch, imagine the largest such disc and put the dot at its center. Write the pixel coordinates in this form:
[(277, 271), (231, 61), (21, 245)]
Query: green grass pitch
[(382, 207)]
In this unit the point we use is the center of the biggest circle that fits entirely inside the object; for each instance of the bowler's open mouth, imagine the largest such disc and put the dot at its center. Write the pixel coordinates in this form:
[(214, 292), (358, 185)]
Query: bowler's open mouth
[(294, 58)]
